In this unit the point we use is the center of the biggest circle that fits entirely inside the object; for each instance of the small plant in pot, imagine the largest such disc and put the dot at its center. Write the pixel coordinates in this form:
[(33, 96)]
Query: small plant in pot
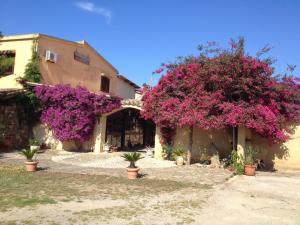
[(179, 155), (132, 169), (106, 147), (34, 144), (250, 161), (149, 151), (235, 163), (31, 164), (167, 152)]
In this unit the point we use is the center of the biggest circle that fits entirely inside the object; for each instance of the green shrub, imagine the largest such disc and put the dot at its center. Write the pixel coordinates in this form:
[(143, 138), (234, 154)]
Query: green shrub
[(132, 158), (28, 153), (6, 63), (167, 152), (178, 152), (34, 142), (32, 70), (237, 161), (250, 156)]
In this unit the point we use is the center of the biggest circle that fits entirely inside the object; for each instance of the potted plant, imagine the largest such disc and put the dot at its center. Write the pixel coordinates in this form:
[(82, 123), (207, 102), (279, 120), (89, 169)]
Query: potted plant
[(31, 164), (249, 162), (167, 152), (149, 151), (106, 147), (179, 155), (132, 169), (34, 144), (235, 163)]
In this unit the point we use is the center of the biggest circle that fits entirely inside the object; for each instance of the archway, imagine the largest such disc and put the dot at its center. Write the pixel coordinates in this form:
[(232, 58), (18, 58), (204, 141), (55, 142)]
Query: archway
[(126, 130)]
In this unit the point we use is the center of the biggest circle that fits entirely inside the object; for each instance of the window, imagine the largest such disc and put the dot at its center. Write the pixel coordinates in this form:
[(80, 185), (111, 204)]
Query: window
[(82, 58), (104, 84), (7, 62)]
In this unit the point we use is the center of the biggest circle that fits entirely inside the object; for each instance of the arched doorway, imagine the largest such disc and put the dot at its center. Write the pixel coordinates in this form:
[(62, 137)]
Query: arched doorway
[(126, 130)]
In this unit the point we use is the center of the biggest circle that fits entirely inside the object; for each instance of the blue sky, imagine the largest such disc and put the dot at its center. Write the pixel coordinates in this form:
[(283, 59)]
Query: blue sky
[(136, 36)]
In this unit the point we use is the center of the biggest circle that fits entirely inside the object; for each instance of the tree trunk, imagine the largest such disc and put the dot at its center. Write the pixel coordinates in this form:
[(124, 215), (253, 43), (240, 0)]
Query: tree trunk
[(190, 146)]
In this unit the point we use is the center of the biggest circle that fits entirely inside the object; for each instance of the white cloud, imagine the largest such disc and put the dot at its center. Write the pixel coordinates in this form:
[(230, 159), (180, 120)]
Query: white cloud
[(91, 7)]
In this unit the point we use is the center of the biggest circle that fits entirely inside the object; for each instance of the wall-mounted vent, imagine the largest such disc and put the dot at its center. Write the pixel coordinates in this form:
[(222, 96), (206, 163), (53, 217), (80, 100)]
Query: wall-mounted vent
[(51, 56)]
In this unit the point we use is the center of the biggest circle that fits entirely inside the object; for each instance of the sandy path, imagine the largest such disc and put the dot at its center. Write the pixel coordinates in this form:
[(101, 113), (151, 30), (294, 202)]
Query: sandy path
[(254, 200)]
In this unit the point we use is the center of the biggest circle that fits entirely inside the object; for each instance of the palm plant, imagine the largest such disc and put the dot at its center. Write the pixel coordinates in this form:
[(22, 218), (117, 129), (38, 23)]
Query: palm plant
[(28, 153), (34, 142), (132, 158), (250, 157), (178, 152)]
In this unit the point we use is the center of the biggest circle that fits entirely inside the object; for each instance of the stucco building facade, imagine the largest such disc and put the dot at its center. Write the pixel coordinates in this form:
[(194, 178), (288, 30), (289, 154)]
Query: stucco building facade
[(73, 63), (77, 63)]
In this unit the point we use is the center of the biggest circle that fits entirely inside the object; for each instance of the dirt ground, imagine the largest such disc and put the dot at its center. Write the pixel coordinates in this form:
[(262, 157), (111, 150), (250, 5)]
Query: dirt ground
[(264, 199), (179, 195)]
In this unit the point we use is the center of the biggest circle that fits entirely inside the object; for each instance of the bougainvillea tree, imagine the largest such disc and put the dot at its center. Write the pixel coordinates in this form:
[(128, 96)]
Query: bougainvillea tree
[(224, 88), (71, 112)]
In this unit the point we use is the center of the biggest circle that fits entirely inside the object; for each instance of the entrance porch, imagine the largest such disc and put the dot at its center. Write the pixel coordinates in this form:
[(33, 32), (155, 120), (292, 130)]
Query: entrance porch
[(124, 129)]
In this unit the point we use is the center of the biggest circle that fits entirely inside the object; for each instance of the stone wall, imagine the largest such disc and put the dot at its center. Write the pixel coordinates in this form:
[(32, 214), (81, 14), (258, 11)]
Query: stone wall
[(14, 130)]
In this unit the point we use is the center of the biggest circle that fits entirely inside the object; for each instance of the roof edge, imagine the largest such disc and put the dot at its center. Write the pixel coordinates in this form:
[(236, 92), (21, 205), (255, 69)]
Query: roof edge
[(126, 80), (38, 35)]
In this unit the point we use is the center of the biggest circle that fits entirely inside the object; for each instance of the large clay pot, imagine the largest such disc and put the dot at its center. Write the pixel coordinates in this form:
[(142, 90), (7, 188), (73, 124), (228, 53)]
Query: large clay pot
[(132, 173), (179, 161), (249, 170), (31, 166)]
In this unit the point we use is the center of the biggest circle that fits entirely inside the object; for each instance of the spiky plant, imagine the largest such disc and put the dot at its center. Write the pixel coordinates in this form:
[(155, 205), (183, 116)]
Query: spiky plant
[(28, 153), (132, 158)]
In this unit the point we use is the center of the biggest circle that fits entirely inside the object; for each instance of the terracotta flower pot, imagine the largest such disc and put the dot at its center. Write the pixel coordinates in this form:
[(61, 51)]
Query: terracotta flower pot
[(132, 173), (249, 170), (31, 166)]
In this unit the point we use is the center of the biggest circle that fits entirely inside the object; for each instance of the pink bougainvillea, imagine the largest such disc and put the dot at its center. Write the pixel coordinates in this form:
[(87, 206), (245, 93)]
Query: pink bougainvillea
[(71, 112), (226, 89)]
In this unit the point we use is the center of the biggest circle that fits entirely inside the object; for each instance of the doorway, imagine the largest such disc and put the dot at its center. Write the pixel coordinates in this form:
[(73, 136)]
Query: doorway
[(126, 130)]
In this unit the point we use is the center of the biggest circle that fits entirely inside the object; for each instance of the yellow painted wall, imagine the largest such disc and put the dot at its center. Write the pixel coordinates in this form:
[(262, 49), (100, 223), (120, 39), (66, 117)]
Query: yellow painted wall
[(284, 156), (66, 70), (202, 140), (69, 71), (44, 135), (23, 54), (121, 88)]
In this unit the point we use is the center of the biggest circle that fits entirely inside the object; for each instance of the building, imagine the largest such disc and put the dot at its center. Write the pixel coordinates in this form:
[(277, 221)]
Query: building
[(75, 63), (63, 62)]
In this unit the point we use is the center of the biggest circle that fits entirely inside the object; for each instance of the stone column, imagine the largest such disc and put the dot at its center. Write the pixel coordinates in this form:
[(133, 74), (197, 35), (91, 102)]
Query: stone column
[(157, 146), (99, 134), (241, 141)]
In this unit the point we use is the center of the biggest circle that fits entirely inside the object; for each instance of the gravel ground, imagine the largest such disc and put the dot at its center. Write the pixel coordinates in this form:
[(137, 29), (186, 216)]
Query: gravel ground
[(72, 163), (108, 160)]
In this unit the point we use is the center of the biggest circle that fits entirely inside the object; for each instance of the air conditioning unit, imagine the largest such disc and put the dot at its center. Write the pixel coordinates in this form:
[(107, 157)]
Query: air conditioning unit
[(51, 56)]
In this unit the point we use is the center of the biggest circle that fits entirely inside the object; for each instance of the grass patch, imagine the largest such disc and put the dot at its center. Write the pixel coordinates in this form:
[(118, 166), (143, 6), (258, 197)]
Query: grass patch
[(127, 213), (21, 202), (19, 188)]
